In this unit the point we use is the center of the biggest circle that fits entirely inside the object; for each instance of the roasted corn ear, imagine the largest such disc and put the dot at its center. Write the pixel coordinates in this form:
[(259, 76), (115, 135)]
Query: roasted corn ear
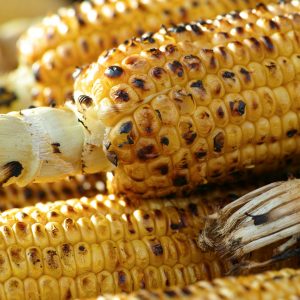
[(172, 111), (283, 284), (77, 35), (83, 185), (267, 216), (85, 247)]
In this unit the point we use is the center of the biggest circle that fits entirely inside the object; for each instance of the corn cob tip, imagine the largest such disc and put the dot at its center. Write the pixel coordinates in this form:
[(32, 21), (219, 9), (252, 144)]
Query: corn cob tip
[(263, 217)]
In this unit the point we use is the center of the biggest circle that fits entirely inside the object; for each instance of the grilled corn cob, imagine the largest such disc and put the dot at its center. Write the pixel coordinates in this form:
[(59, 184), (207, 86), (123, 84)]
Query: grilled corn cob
[(259, 219), (172, 111), (77, 35), (84, 247), (79, 186), (283, 284)]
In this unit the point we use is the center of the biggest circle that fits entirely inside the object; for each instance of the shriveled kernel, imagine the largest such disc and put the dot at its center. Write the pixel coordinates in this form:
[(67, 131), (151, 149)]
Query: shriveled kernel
[(147, 120), (204, 121), (184, 101)]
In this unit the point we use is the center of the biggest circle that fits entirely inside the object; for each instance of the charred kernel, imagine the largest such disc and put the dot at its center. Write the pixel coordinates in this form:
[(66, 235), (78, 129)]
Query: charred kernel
[(138, 83), (220, 112), (9, 170), (55, 148), (228, 75), (157, 249), (291, 132), (164, 169), (237, 107), (171, 49), (180, 180), (147, 152), (113, 72), (86, 100), (219, 141), (112, 157), (121, 96), (246, 74), (126, 127), (170, 293), (158, 72), (177, 68), (164, 141), (197, 84), (196, 29), (268, 43)]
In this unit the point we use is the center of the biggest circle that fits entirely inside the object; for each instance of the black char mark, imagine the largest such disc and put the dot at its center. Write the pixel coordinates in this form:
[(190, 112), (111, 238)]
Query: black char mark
[(86, 100), (113, 72), (55, 147), (6, 97), (9, 170)]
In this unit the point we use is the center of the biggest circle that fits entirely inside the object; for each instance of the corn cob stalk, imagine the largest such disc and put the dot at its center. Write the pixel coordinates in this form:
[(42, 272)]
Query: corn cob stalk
[(77, 35), (283, 284), (84, 247), (172, 111), (259, 219)]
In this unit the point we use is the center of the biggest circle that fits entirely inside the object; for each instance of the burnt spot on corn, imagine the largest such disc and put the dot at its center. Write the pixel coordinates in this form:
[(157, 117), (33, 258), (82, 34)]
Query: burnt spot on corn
[(164, 141), (193, 209), (158, 72), (121, 95), (246, 75), (33, 256), (85, 100), (220, 112), (259, 219), (51, 259), (192, 62), (237, 107), (177, 68), (228, 75), (180, 180), (121, 278), (55, 148), (112, 157), (197, 84), (7, 97), (148, 38), (163, 169), (186, 291), (147, 152), (126, 127), (196, 29), (189, 135), (274, 25), (170, 293), (113, 72), (157, 248), (267, 42), (82, 249), (171, 49), (219, 141), (9, 170), (156, 53), (36, 70), (139, 83), (291, 133), (178, 29), (200, 154)]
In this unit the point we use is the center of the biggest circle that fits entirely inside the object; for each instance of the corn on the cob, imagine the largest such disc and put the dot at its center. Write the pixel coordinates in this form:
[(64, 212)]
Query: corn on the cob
[(83, 247), (76, 36), (174, 110), (79, 186), (263, 217), (283, 284)]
